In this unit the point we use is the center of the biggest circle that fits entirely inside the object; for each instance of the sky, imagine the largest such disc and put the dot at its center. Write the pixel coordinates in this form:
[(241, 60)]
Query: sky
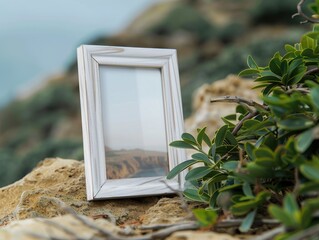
[(39, 38), (132, 109)]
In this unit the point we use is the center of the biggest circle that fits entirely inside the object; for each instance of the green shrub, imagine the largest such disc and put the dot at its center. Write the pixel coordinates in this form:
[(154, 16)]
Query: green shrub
[(68, 148), (266, 156), (224, 64), (186, 18), (274, 11)]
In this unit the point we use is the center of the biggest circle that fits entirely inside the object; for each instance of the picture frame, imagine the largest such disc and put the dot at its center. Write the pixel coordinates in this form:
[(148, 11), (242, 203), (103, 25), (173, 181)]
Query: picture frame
[(131, 110)]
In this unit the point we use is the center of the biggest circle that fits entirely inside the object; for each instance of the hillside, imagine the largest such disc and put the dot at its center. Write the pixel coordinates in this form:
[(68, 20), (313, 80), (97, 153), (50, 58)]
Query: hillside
[(213, 39)]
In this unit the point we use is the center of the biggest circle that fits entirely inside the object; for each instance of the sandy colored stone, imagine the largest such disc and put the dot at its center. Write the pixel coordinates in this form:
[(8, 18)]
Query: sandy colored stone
[(33, 229), (207, 114), (165, 211), (197, 235), (56, 181)]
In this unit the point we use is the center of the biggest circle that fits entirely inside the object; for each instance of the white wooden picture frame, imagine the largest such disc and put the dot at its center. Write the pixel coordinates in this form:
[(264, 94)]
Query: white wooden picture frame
[(131, 110)]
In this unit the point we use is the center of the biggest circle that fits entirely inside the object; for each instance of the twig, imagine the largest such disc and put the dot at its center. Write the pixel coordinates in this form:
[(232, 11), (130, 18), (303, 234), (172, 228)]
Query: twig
[(161, 234), (240, 123), (269, 234), (105, 233), (237, 222), (302, 14), (310, 232), (297, 181), (312, 70), (302, 90), (236, 99), (158, 226)]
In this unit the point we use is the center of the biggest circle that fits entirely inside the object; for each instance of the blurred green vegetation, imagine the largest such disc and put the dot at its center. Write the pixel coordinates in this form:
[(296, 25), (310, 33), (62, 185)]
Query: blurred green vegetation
[(186, 18), (28, 127), (270, 12), (47, 124)]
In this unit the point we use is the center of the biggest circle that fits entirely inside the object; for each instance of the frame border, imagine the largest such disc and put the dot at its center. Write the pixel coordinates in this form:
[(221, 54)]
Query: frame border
[(90, 57)]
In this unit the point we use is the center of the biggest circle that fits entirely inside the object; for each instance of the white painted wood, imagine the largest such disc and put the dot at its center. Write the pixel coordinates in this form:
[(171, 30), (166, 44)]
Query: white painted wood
[(90, 59)]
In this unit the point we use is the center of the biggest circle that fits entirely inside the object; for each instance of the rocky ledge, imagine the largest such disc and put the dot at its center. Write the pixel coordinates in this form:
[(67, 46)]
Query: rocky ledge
[(50, 203)]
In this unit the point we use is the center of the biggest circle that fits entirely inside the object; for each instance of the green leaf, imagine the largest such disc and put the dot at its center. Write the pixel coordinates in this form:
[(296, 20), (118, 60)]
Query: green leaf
[(274, 66), (189, 139), (248, 72), (230, 165), (268, 79), (180, 167), (264, 152), (310, 170), (201, 157), (281, 215), (204, 217), (289, 48), (304, 140), (290, 204), (220, 135), (182, 144), (200, 135), (306, 216), (297, 75), (267, 90), (193, 195), (263, 196), (251, 62), (259, 171), (307, 42), (230, 138), (243, 208), (314, 94), (198, 173), (213, 199), (230, 187), (249, 148), (316, 26), (247, 190), (284, 66), (247, 222), (218, 178), (308, 187), (295, 122), (212, 151)]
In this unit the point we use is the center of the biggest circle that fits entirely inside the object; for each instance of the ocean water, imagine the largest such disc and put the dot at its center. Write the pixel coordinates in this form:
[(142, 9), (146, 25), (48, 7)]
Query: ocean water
[(39, 38)]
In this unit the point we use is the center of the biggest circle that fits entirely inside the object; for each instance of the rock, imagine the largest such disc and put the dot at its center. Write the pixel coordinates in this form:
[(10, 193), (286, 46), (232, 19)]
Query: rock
[(206, 114), (191, 235), (165, 211), (56, 182), (62, 227), (47, 200)]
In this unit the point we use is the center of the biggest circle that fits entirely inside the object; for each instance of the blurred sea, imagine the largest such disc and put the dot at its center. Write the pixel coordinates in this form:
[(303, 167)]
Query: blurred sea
[(39, 38)]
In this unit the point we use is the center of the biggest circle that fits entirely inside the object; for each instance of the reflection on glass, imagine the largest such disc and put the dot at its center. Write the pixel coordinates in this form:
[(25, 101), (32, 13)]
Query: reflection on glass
[(133, 122)]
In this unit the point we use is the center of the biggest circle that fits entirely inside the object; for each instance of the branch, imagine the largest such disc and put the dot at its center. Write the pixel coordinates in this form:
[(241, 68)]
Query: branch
[(301, 90), (161, 234), (312, 70), (235, 99), (240, 123), (307, 233), (302, 14), (238, 222), (270, 234)]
